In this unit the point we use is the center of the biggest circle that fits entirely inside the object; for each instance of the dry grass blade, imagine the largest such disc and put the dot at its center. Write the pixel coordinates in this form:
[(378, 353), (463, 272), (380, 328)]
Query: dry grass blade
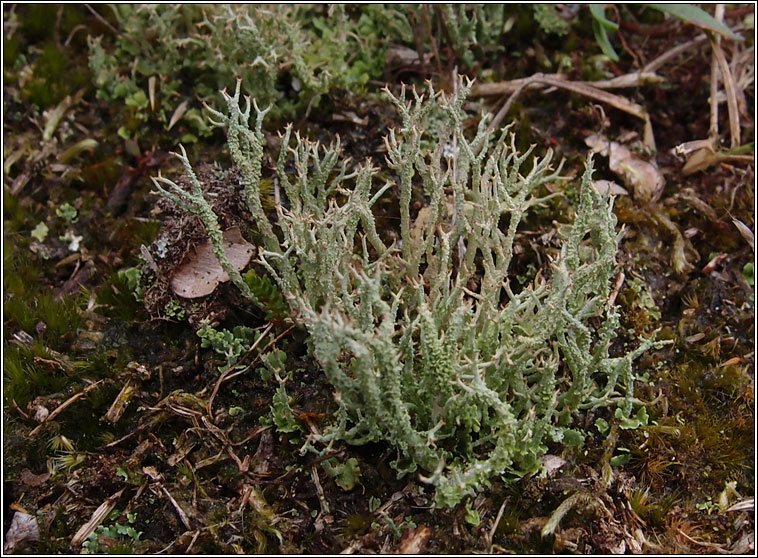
[(616, 101), (745, 505), (718, 548), (745, 231), (633, 79), (180, 512), (119, 404), (97, 518), (730, 89), (151, 91), (63, 405), (575, 500), (653, 65)]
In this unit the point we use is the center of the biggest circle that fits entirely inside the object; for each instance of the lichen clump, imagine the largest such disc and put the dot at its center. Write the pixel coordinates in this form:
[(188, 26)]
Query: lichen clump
[(425, 341)]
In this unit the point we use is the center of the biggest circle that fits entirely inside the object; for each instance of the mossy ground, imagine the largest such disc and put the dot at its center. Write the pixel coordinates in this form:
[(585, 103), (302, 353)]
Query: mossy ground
[(71, 324)]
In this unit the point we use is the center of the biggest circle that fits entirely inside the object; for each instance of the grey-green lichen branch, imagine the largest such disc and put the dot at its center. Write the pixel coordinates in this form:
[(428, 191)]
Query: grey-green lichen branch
[(427, 345)]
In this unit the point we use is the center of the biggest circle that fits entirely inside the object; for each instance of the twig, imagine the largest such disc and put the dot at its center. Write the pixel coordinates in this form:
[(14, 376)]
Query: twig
[(616, 101), (18, 409), (491, 534), (616, 288), (62, 406), (653, 65), (502, 112), (633, 79), (319, 491), (101, 19), (715, 547), (713, 128), (620, 35), (192, 542)]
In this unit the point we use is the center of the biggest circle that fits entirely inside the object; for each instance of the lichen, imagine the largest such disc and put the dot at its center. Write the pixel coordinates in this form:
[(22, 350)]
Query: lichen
[(427, 346)]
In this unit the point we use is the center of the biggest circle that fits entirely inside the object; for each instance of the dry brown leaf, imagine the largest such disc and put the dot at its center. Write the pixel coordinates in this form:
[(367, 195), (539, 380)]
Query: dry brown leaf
[(24, 527), (152, 472), (602, 187), (700, 160), (642, 176), (200, 273), (404, 56), (178, 113), (30, 479), (414, 540), (745, 231)]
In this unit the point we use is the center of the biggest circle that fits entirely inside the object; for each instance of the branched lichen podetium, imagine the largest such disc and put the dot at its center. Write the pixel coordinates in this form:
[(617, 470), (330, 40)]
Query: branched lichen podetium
[(425, 343)]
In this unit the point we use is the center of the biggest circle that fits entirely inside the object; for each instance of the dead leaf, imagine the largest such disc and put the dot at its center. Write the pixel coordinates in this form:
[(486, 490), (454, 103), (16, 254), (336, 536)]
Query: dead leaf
[(404, 56), (699, 160), (200, 273), (715, 262), (119, 404), (178, 113), (745, 231), (152, 472), (30, 479), (602, 187), (23, 528), (414, 540), (40, 413), (642, 176), (552, 463)]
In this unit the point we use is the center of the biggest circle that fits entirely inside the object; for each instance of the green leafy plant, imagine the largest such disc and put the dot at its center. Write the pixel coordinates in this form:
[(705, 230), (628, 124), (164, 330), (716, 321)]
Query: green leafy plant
[(266, 291), (132, 277), (345, 474), (232, 344), (120, 536), (427, 346)]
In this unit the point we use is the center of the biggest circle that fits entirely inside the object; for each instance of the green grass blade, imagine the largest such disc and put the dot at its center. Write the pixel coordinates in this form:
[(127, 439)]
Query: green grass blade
[(601, 36), (697, 16), (598, 14)]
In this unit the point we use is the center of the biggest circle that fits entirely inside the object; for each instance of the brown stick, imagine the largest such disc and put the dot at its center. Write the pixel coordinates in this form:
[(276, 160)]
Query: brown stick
[(633, 79), (583, 88), (653, 65)]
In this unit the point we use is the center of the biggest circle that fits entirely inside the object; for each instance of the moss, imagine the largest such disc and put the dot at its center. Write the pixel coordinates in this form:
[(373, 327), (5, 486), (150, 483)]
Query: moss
[(55, 76), (26, 374), (56, 321), (11, 52)]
